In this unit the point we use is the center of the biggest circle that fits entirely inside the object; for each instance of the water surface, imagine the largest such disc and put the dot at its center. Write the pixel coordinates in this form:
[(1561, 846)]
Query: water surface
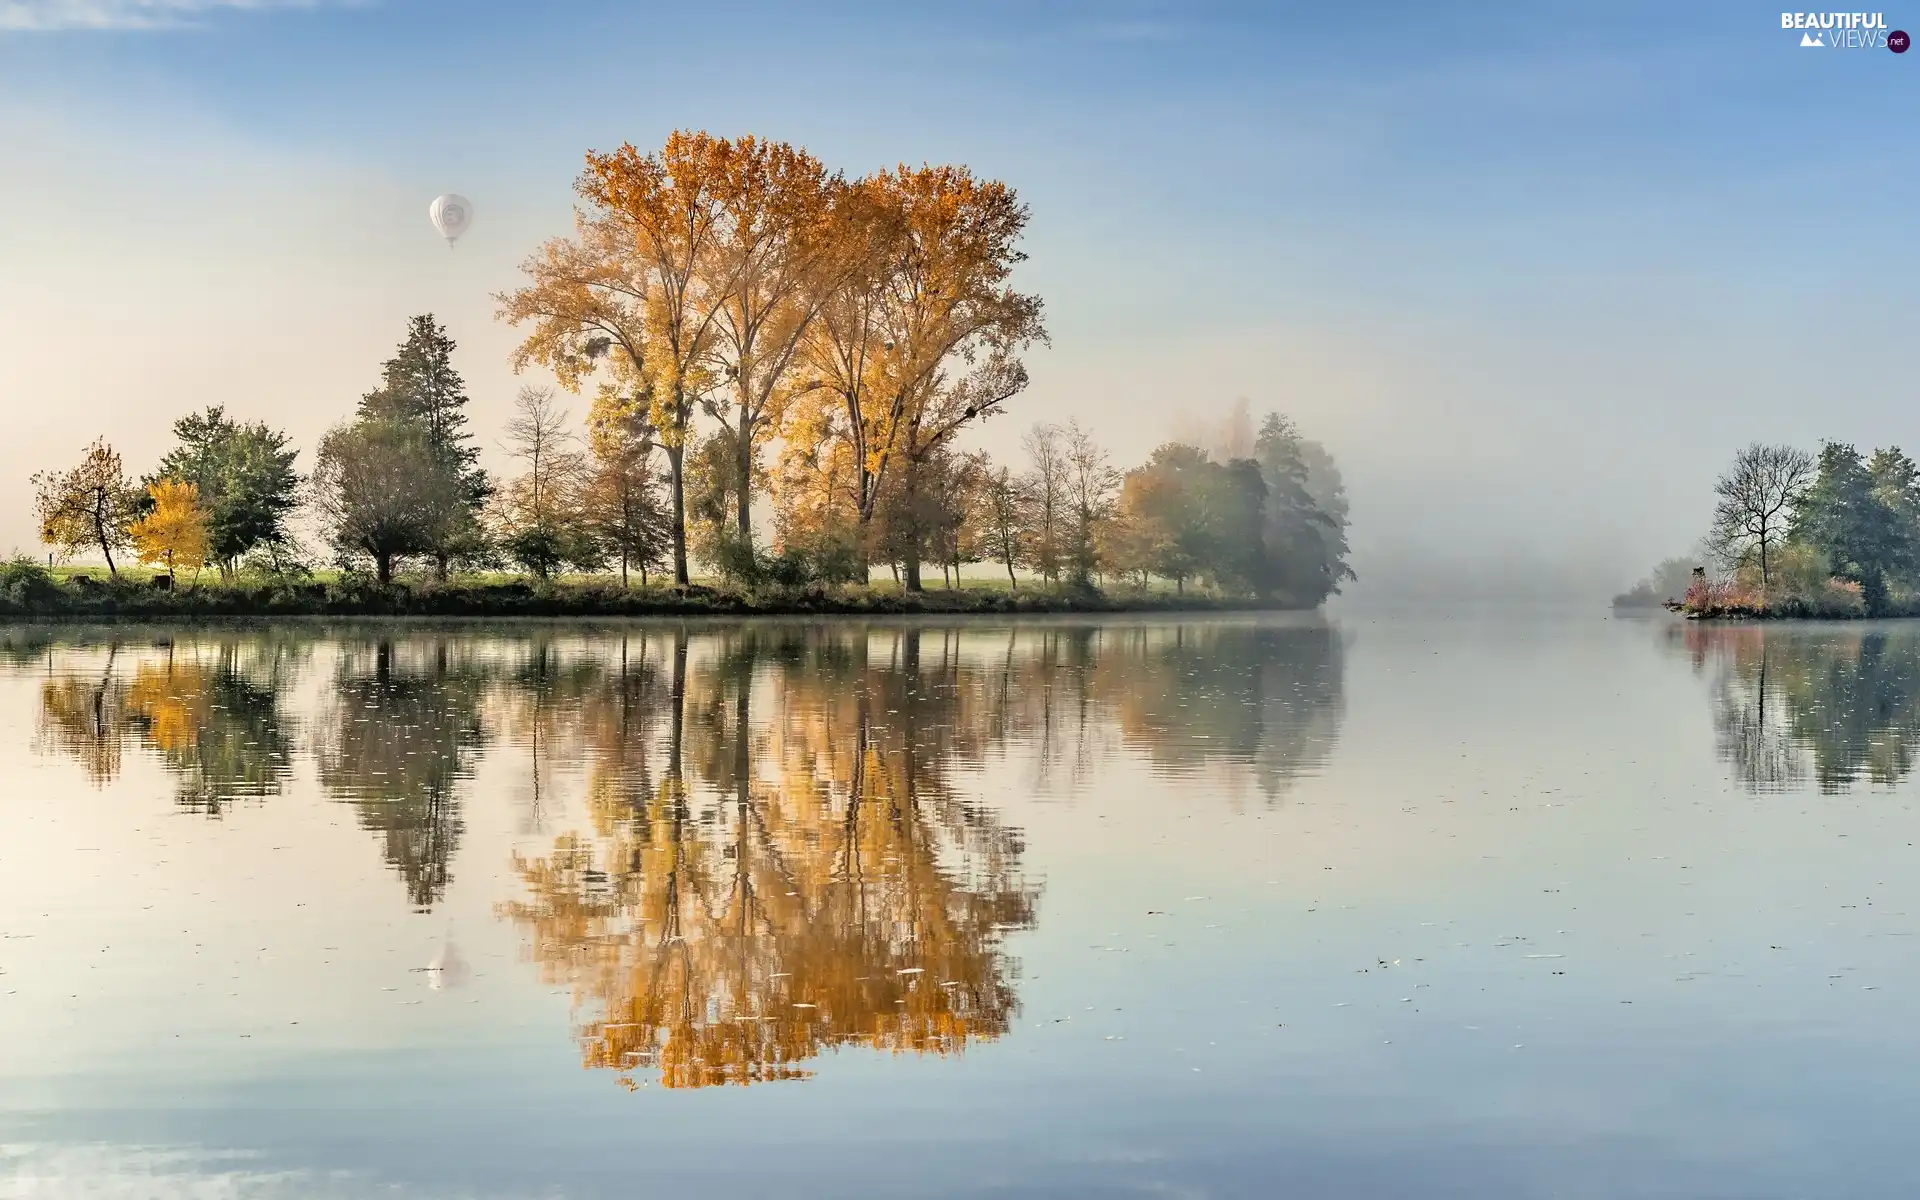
[(1559, 907)]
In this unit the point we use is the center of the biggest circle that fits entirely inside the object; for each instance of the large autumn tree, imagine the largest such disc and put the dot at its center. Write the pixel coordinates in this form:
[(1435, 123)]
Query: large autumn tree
[(636, 281), (765, 274), (585, 304), (922, 333)]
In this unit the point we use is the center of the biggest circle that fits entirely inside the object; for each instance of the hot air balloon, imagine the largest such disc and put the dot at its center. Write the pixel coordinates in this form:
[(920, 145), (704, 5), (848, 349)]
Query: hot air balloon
[(451, 215)]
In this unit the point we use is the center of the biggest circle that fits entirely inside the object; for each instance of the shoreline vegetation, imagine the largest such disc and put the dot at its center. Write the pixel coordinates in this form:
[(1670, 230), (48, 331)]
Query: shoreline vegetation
[(1833, 535), (31, 594), (780, 366)]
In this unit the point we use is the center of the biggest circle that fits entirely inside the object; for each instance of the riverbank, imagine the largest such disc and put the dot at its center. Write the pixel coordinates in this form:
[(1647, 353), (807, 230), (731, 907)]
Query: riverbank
[(1787, 612), (40, 597)]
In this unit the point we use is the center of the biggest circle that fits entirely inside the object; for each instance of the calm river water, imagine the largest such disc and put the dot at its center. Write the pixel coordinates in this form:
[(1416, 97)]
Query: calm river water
[(1555, 907)]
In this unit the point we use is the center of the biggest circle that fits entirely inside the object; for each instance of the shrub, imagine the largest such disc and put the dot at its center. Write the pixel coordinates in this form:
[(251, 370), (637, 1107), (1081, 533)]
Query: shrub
[(24, 583)]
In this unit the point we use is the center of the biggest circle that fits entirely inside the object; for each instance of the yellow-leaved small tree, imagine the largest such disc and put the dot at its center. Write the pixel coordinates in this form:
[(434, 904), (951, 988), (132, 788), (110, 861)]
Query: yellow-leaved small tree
[(174, 532)]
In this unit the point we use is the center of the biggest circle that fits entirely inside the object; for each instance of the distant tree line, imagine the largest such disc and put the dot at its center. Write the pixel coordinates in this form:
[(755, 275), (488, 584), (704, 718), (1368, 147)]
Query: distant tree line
[(749, 326)]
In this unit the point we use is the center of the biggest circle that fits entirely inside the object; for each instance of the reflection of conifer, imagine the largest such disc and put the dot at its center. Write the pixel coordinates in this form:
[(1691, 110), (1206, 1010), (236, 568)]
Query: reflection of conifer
[(399, 744), (1841, 707)]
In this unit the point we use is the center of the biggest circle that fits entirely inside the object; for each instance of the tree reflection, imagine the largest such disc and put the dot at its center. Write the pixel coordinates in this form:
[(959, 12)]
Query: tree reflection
[(817, 882), (1260, 701), (216, 721), (210, 712), (746, 844), (404, 728), (1839, 706), (83, 715)]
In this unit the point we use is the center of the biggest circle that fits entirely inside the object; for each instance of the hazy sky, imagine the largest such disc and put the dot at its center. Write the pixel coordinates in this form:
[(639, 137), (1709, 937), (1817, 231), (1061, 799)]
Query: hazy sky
[(1532, 272)]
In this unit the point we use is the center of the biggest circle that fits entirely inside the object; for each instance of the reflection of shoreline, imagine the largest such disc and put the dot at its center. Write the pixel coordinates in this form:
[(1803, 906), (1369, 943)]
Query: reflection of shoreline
[(1835, 705), (780, 851)]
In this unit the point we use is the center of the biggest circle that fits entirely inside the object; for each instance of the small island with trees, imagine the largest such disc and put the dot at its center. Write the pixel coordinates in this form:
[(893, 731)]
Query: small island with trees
[(1833, 534), (751, 333)]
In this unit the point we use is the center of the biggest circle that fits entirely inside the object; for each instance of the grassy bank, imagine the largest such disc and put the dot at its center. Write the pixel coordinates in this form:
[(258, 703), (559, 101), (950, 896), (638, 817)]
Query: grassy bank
[(30, 592)]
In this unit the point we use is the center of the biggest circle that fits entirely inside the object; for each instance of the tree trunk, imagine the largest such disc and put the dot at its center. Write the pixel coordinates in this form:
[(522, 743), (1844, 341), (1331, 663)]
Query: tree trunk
[(864, 522), (440, 565), (743, 462), (623, 567), (676, 457), (106, 543), (911, 509), (383, 568)]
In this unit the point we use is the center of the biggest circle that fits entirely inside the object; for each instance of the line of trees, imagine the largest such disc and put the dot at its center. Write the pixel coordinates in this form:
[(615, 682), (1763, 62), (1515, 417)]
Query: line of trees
[(225, 491), (1827, 533), (753, 332)]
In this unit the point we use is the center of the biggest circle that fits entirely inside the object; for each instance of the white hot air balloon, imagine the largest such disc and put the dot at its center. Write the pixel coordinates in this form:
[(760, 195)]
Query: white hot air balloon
[(451, 214)]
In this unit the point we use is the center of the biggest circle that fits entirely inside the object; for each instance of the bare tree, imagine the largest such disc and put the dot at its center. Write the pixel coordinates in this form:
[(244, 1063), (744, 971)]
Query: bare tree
[(538, 514), (538, 436), (1001, 501), (1092, 487), (1044, 487), (1756, 502)]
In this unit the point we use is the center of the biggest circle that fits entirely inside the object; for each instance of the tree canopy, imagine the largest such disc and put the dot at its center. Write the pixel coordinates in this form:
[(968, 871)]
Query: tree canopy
[(243, 476)]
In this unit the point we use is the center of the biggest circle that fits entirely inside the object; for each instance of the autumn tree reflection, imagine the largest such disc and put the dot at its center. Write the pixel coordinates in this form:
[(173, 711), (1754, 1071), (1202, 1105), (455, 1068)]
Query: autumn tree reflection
[(216, 721), (211, 712), (401, 735), (1837, 706), (800, 876), (83, 716)]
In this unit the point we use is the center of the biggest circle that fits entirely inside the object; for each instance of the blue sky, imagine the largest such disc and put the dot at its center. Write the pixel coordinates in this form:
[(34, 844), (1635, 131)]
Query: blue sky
[(1533, 271)]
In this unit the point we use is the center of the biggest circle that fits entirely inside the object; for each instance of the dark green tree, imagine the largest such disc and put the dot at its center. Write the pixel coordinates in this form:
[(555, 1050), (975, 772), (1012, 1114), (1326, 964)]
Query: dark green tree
[(377, 492), (1237, 497), (246, 479), (1306, 545), (1896, 484), (421, 389), (1849, 519)]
